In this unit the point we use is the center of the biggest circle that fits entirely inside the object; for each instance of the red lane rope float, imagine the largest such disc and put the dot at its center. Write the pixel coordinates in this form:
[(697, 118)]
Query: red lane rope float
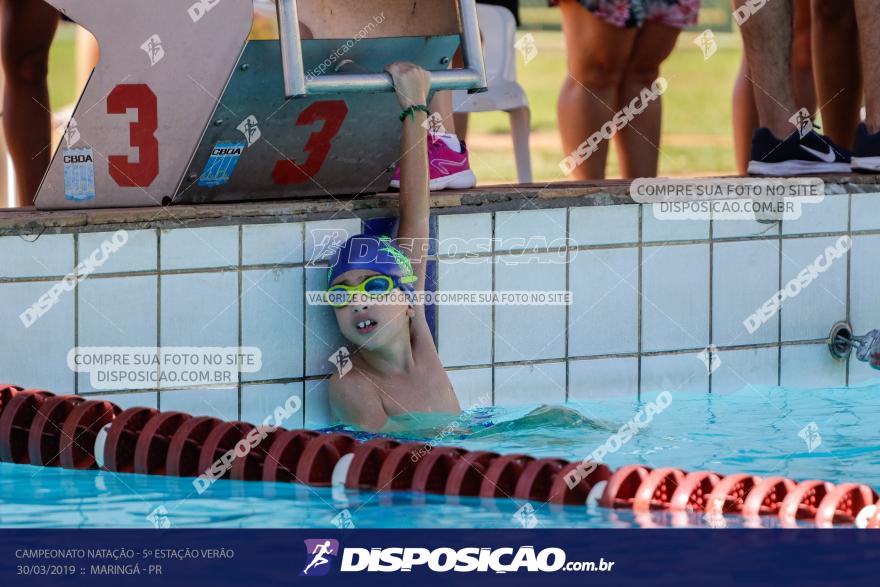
[(151, 450), (284, 454), (185, 448), (561, 494), (363, 473), (122, 439), (843, 503), (766, 497), (250, 467), (466, 475), (503, 474), (620, 492), (729, 494), (321, 454), (802, 502), (433, 469), (537, 478), (399, 467), (16, 422), (44, 439), (693, 491), (224, 439), (656, 490), (80, 431)]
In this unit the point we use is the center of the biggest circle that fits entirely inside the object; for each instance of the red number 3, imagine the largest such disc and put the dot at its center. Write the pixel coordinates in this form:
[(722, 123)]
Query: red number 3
[(142, 135), (333, 113)]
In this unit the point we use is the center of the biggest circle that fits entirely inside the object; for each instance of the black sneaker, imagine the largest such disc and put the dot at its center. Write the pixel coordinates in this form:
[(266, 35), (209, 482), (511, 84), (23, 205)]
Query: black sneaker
[(796, 155), (866, 157)]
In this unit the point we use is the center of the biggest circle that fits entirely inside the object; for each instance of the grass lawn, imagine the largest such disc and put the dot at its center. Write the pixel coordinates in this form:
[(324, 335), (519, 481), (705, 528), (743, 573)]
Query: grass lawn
[(696, 120)]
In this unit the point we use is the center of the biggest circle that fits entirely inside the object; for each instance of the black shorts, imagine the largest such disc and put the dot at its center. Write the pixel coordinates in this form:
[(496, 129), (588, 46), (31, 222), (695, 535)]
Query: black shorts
[(511, 5)]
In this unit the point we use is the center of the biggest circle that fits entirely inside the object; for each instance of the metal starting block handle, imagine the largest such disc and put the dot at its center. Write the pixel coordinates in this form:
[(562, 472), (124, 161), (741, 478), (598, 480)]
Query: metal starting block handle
[(472, 77)]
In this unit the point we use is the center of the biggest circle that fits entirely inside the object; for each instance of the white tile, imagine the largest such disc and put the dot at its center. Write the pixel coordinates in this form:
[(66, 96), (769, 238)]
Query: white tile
[(811, 366), (216, 403), (865, 284), (323, 338), (685, 372), (259, 402), (137, 254), (472, 386), (746, 369), (148, 399), (272, 244), (866, 211), (745, 274), (654, 230), (32, 256), (323, 237), (603, 318), (604, 225), (317, 405), (743, 228), (190, 248), (675, 297), (530, 229), (272, 320), (199, 310), (464, 233), (529, 332), (464, 332), (602, 378), (106, 318), (829, 215), (36, 357), (543, 384), (810, 314), (862, 373)]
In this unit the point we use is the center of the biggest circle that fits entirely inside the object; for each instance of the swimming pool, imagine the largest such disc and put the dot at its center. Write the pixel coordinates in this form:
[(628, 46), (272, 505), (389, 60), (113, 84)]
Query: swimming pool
[(802, 434)]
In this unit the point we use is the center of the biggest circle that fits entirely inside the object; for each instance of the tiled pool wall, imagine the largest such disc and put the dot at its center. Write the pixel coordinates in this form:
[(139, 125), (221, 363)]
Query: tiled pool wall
[(648, 297)]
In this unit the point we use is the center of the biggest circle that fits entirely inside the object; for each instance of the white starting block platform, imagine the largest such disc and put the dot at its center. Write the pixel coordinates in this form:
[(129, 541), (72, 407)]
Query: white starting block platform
[(182, 108)]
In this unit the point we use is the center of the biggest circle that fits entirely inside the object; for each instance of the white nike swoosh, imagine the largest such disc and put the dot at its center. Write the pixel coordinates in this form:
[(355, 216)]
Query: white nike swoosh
[(827, 157)]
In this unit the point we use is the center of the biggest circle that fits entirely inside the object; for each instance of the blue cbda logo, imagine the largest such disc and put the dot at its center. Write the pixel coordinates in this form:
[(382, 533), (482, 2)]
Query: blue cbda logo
[(317, 553)]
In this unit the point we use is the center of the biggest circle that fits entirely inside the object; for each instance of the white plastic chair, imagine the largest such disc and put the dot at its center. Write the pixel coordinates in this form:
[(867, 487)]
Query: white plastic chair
[(498, 26)]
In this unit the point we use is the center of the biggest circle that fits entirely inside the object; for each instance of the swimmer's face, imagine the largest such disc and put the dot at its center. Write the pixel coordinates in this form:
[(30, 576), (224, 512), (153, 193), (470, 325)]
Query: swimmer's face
[(365, 322)]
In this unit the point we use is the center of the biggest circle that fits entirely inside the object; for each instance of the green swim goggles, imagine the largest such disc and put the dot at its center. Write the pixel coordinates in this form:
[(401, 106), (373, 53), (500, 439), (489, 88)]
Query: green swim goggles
[(339, 296)]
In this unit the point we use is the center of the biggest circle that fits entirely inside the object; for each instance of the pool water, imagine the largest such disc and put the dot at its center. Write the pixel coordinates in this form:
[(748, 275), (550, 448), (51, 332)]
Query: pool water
[(756, 430)]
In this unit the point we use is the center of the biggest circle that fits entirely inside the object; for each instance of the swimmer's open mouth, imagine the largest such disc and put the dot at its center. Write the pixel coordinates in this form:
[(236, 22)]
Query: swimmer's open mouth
[(366, 326)]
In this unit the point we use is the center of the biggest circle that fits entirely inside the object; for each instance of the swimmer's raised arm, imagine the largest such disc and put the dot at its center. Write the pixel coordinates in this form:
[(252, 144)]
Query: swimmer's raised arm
[(412, 84)]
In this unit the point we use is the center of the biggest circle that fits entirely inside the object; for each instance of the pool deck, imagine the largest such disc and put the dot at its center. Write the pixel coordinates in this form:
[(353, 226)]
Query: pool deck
[(16, 221)]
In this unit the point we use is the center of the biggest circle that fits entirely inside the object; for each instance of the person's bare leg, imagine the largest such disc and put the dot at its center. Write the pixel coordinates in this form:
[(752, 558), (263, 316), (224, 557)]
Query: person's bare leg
[(837, 68), (638, 143), (868, 19), (767, 36), (745, 117), (597, 56), (87, 55), (28, 29), (442, 104), (802, 59)]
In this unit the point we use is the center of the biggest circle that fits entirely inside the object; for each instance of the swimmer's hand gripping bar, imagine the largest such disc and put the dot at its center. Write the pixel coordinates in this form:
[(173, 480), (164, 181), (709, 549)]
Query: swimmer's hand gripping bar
[(472, 77)]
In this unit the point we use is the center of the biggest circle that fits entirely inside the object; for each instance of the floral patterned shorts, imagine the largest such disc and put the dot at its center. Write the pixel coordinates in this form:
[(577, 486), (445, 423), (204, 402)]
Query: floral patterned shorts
[(634, 13)]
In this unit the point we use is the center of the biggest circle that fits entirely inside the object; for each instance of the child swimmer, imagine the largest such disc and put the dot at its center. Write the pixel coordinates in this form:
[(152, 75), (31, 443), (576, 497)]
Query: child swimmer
[(396, 370)]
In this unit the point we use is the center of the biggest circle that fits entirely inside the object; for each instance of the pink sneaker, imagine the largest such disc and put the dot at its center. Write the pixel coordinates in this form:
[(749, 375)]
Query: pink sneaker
[(448, 168)]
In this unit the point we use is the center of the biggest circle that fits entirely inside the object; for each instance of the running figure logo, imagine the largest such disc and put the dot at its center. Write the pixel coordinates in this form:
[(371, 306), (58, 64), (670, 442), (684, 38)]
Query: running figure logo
[(317, 563)]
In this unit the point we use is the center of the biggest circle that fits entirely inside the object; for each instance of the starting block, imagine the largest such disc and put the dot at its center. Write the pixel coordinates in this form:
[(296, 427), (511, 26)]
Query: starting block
[(183, 108)]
